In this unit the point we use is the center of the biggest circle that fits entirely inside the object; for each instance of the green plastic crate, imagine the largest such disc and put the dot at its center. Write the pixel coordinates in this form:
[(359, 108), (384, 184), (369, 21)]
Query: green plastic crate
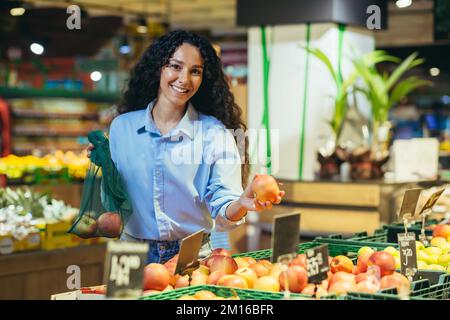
[(426, 288), (224, 292)]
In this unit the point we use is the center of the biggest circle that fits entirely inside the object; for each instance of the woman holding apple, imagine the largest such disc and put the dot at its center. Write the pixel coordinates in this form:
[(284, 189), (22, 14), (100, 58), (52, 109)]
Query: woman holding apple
[(172, 146)]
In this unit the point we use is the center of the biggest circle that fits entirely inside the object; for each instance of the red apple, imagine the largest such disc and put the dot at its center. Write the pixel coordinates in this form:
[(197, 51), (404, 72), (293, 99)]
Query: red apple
[(342, 287), (265, 188), (361, 264), (214, 277), (341, 263), (442, 230), (309, 289), (366, 287), (222, 263), (221, 252), (248, 275), (342, 276), (300, 260), (156, 277), (395, 280), (295, 277), (110, 224), (384, 261), (367, 277), (260, 269), (232, 281)]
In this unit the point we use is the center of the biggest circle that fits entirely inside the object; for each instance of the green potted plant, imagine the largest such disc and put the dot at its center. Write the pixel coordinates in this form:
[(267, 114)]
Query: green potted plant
[(332, 157), (383, 91)]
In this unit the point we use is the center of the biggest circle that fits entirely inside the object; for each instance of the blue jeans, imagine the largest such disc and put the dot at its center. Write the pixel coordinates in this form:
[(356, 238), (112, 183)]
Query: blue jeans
[(161, 251)]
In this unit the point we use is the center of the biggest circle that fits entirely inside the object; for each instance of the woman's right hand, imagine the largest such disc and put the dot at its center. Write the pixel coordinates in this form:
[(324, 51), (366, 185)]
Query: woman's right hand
[(89, 148)]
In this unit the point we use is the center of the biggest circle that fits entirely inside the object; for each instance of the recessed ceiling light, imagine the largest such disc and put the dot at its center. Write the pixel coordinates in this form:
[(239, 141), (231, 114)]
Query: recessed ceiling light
[(403, 3), (434, 72), (37, 48), (96, 76), (17, 11)]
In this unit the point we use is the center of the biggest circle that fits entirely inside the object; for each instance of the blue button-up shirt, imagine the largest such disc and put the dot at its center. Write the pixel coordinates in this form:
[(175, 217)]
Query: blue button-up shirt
[(179, 182)]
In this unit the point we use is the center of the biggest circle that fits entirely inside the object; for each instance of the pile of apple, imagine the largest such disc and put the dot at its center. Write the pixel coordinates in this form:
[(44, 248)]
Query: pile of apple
[(374, 271), (434, 257), (206, 295)]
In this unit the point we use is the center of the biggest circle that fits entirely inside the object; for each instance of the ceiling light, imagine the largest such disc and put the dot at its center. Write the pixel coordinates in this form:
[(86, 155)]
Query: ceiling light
[(403, 3), (96, 76), (142, 27), (124, 47), (16, 12), (434, 72), (37, 48)]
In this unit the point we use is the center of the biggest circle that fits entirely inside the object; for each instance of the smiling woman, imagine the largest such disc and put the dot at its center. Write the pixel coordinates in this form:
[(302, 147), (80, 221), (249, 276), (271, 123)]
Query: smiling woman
[(178, 99)]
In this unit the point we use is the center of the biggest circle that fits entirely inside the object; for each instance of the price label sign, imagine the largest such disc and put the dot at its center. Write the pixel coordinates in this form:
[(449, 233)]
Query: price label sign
[(408, 255), (124, 268), (285, 235), (409, 203), (317, 263), (189, 249), (431, 201)]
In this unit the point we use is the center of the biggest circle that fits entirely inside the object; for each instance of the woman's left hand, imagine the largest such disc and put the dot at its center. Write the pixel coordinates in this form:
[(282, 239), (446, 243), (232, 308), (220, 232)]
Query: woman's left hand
[(249, 202)]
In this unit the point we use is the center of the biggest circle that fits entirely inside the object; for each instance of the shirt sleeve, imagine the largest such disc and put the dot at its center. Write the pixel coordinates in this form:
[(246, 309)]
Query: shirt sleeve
[(224, 185)]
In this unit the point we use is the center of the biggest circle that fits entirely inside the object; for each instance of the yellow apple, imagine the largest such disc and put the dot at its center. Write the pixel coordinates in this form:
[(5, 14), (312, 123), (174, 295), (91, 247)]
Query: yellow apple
[(444, 260), (248, 274), (423, 256), (397, 262), (435, 267), (448, 269), (267, 283), (448, 239), (203, 269), (437, 241), (445, 247), (364, 250), (419, 246), (392, 251), (433, 251), (421, 265)]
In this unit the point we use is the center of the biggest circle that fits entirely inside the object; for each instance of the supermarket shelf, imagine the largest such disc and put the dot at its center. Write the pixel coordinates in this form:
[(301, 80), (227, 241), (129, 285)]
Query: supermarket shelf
[(55, 115), (9, 93), (29, 150), (45, 132)]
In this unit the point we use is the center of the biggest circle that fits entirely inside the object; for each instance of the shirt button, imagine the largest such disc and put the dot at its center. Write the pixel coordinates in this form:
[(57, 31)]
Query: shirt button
[(158, 173)]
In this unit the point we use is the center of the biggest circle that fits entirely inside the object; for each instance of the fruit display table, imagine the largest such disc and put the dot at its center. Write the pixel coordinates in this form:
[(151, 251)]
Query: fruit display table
[(340, 207), (39, 274)]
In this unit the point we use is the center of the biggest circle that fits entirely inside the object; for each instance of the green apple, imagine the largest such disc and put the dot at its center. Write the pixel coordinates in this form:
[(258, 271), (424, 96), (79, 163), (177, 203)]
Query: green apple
[(436, 267), (448, 269), (419, 245), (433, 251), (392, 251), (437, 241), (421, 265), (365, 250), (444, 260)]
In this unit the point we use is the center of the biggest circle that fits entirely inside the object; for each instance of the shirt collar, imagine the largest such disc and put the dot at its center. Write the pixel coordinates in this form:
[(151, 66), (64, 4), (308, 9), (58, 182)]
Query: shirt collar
[(186, 124)]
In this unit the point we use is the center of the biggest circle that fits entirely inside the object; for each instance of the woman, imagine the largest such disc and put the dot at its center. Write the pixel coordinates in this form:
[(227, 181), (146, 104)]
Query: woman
[(171, 144)]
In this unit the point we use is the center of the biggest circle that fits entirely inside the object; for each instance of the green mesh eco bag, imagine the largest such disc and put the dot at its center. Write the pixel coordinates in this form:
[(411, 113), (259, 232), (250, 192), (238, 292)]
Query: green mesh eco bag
[(105, 205)]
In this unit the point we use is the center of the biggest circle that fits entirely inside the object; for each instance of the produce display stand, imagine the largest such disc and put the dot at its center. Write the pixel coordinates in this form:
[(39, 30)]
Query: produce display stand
[(329, 207), (39, 274), (225, 292)]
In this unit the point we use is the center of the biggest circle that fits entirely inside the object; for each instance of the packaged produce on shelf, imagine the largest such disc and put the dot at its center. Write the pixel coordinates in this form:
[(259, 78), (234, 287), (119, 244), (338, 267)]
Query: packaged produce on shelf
[(15, 167)]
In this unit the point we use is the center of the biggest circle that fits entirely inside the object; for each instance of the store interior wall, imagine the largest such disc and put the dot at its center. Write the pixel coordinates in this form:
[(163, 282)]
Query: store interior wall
[(286, 91)]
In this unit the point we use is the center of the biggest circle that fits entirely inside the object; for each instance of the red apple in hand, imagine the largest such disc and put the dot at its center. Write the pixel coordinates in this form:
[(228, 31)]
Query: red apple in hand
[(265, 188)]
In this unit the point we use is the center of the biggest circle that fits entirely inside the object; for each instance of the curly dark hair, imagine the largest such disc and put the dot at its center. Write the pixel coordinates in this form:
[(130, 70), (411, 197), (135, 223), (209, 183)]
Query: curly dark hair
[(212, 98)]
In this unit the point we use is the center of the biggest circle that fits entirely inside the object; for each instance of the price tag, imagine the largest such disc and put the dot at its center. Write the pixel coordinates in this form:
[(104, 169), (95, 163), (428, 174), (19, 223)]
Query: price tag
[(431, 202), (285, 235), (317, 263), (124, 268), (189, 249), (408, 255), (409, 203)]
